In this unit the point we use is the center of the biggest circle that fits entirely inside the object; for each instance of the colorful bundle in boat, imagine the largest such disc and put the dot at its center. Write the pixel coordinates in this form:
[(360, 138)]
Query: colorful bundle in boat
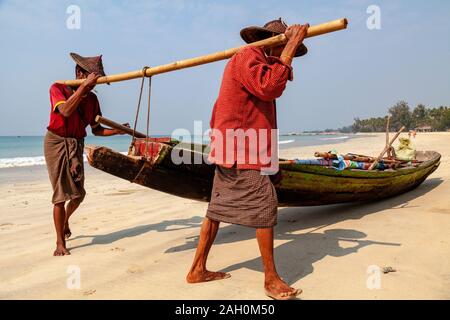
[(342, 164)]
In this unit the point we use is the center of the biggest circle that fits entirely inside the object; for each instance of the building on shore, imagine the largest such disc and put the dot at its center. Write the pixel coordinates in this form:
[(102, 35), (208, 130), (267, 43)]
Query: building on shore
[(424, 128)]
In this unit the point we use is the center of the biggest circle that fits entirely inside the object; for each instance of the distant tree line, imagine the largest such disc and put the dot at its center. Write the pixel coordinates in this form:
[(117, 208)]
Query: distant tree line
[(438, 119)]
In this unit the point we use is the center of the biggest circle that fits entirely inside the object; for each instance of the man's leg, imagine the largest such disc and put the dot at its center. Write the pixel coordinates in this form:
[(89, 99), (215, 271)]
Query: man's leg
[(71, 207), (274, 285), (198, 272), (59, 216)]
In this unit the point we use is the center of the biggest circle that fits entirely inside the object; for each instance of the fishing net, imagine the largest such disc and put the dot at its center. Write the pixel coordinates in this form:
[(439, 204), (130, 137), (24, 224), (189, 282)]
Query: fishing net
[(405, 150)]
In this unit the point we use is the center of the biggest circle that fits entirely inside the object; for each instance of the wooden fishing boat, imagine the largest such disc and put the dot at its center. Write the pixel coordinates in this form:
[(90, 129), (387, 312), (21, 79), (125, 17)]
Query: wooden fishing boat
[(301, 185)]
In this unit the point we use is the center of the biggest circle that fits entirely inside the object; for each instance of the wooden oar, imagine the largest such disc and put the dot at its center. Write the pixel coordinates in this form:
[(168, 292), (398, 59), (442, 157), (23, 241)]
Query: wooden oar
[(386, 148), (313, 31), (118, 126)]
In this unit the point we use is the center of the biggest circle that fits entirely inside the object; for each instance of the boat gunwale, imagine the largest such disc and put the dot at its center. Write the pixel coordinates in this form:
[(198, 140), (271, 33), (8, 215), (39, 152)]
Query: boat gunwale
[(319, 170)]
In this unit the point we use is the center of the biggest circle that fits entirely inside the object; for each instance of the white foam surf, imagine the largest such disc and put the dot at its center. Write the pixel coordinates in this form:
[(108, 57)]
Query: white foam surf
[(335, 138), (27, 161), (285, 141)]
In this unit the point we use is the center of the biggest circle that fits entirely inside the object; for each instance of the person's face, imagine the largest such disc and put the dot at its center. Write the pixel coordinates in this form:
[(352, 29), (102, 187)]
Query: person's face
[(275, 51), (81, 74)]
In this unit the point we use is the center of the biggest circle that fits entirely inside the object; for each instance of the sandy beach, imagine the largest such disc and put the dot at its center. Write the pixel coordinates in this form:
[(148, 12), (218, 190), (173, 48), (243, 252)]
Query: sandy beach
[(131, 242)]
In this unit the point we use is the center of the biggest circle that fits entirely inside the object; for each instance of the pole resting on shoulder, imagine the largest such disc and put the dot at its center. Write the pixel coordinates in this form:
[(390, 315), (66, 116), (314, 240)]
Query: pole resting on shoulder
[(280, 39)]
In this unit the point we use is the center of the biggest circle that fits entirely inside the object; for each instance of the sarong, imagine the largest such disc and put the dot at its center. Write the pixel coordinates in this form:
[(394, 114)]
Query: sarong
[(243, 197), (64, 159)]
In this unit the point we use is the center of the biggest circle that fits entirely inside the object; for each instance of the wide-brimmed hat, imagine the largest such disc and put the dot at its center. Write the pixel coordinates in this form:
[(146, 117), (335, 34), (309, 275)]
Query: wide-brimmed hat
[(255, 33), (90, 64)]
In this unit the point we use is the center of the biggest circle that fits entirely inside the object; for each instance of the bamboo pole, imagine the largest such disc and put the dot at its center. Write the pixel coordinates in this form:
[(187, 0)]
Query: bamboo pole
[(387, 128), (386, 148), (118, 126), (389, 152), (313, 31)]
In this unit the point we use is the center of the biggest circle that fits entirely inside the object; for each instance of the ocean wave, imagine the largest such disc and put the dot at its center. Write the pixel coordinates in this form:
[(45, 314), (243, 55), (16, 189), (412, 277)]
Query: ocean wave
[(335, 138), (22, 162), (28, 161), (285, 141)]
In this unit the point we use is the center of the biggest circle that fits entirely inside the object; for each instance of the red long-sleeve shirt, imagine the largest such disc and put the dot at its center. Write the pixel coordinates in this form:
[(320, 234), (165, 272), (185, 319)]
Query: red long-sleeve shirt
[(245, 109), (75, 125)]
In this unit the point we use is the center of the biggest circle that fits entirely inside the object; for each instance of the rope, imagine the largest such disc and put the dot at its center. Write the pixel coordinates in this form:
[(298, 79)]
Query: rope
[(145, 164), (148, 113), (135, 180), (133, 139)]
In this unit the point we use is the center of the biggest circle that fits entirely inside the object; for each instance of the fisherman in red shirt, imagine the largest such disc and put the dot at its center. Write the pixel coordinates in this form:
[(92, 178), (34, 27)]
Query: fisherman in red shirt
[(244, 149), (72, 110)]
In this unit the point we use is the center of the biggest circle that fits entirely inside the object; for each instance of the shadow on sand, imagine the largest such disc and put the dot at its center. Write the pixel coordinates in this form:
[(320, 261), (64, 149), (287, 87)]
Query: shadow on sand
[(162, 226), (295, 219), (306, 248)]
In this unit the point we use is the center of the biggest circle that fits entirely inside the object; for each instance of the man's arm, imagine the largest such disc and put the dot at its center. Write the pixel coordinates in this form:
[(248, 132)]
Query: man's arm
[(263, 77), (295, 34), (104, 132), (68, 107)]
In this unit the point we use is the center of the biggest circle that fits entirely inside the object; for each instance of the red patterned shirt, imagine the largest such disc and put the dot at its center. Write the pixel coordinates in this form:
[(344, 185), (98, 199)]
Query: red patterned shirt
[(75, 125), (245, 110)]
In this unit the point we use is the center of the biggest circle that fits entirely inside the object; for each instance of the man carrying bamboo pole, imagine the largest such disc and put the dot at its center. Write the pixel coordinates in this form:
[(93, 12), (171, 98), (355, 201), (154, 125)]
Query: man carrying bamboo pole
[(71, 112), (252, 80)]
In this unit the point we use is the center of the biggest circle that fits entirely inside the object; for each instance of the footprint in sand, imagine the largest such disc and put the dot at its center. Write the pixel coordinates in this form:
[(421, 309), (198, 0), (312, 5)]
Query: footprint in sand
[(89, 292), (121, 193), (133, 269), (6, 225), (117, 249)]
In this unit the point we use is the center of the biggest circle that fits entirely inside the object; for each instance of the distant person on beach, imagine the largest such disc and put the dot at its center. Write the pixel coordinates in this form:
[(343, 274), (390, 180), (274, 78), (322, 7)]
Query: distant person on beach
[(241, 194), (72, 110)]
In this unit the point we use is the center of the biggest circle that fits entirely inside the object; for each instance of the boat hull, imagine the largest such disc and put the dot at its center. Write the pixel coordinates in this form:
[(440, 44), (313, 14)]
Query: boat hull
[(301, 185)]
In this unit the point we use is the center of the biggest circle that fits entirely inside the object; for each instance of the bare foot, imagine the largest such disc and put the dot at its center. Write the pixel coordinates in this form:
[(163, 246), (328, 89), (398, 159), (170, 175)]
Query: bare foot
[(67, 232), (277, 289), (204, 276), (61, 250)]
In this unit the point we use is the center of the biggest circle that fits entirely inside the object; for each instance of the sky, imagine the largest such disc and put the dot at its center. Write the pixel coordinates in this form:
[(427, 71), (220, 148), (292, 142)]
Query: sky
[(358, 72)]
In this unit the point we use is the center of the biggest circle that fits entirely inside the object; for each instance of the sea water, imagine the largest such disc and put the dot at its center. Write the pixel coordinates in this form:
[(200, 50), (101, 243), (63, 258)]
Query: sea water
[(23, 151)]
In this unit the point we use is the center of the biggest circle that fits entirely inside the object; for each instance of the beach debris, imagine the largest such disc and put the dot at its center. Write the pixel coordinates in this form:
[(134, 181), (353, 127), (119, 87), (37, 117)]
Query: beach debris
[(89, 292), (133, 269), (388, 270)]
